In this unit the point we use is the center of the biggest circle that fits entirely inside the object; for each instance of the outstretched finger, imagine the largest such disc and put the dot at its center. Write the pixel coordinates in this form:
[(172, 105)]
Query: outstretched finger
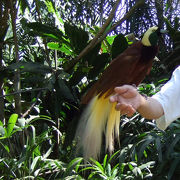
[(121, 89), (127, 91)]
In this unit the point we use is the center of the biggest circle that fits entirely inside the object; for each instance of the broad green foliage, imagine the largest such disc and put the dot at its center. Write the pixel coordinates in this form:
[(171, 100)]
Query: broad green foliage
[(173, 31), (119, 45), (9, 130), (173, 60), (38, 143), (77, 36)]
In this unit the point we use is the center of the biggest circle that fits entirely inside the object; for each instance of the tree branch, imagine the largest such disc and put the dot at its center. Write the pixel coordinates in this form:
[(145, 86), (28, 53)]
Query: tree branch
[(128, 15), (95, 39), (102, 34), (31, 107)]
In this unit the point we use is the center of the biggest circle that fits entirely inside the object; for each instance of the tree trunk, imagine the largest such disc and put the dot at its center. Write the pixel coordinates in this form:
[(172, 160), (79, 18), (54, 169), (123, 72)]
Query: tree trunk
[(1, 88), (4, 17), (17, 83)]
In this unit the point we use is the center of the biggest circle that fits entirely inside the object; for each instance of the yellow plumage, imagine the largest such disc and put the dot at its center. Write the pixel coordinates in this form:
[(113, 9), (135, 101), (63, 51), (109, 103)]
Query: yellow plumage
[(112, 125), (99, 116)]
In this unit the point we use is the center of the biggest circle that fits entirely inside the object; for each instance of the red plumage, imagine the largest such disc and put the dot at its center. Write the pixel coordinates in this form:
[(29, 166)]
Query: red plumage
[(100, 116), (130, 67)]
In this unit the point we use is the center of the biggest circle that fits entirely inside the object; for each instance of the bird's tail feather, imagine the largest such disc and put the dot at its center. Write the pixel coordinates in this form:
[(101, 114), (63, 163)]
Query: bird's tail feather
[(100, 116), (112, 128)]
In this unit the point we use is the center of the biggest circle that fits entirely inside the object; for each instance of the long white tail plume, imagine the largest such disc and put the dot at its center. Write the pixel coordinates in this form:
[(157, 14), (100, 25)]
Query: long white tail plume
[(99, 116)]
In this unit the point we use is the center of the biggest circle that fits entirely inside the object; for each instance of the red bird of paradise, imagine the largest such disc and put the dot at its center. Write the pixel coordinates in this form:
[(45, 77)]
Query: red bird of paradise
[(100, 116)]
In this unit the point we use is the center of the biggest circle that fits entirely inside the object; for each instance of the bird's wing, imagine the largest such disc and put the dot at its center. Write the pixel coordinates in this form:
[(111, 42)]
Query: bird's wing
[(130, 67), (119, 72)]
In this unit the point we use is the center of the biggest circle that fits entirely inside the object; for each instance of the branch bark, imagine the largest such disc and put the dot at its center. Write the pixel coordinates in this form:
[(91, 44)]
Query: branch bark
[(95, 39), (102, 34), (44, 40), (128, 15), (31, 107), (4, 17)]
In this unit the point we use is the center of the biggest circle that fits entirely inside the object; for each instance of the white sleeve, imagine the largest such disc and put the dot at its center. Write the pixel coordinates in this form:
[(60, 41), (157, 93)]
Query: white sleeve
[(169, 98)]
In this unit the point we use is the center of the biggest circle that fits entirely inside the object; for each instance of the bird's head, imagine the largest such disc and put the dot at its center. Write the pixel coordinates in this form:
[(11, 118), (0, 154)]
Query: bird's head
[(151, 36)]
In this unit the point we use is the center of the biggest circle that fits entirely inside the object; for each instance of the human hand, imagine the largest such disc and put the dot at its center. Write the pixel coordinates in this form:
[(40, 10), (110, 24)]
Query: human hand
[(128, 99)]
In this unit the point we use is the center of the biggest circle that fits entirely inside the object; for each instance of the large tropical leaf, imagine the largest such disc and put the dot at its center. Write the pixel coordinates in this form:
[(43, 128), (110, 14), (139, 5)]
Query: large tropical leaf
[(119, 45), (98, 64), (78, 37), (31, 67), (23, 5), (39, 29)]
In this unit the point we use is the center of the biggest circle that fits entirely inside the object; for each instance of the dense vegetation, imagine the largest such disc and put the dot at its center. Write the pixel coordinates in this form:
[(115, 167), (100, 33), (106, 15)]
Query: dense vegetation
[(51, 52)]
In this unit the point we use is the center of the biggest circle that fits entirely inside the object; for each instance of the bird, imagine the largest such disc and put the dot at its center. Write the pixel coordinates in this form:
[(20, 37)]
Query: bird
[(100, 118)]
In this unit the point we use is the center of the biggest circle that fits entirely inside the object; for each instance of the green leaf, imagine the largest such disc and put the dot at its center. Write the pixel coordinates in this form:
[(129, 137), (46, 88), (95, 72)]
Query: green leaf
[(52, 9), (98, 165), (12, 121), (46, 155), (33, 134), (115, 170), (73, 164), (108, 27), (50, 6), (64, 90), (92, 174), (119, 45), (110, 39), (137, 171), (99, 62), (176, 23), (77, 36), (1, 124), (106, 44), (23, 5), (144, 145), (31, 67), (77, 76), (173, 166), (34, 163), (45, 30), (105, 161), (115, 154), (5, 147), (130, 166), (167, 5), (171, 30), (58, 164), (66, 50), (147, 165), (108, 169), (2, 131), (172, 145), (158, 147), (63, 48)]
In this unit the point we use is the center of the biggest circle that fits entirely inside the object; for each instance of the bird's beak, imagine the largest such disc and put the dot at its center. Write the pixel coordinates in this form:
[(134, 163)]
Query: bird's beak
[(162, 31)]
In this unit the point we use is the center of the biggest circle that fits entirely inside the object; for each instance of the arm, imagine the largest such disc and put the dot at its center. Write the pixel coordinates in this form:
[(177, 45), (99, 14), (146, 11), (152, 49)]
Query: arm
[(129, 100)]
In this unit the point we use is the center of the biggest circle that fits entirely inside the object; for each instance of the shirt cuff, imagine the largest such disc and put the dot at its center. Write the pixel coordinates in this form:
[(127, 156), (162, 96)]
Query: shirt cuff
[(161, 123)]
